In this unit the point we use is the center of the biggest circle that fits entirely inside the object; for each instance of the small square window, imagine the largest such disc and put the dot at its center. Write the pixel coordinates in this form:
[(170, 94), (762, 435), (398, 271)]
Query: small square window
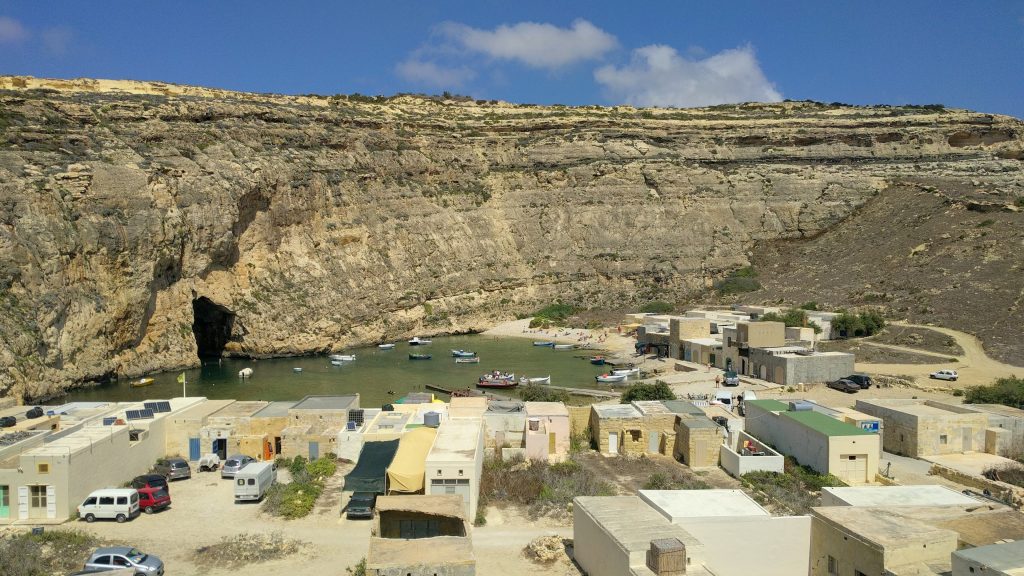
[(460, 472), (43, 468), (943, 439)]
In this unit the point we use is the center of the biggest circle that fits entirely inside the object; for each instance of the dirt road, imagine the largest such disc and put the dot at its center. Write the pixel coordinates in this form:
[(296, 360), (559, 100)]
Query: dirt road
[(974, 366)]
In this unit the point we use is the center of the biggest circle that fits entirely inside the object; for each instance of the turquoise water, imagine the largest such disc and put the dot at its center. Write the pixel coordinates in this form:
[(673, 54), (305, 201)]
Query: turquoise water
[(379, 376)]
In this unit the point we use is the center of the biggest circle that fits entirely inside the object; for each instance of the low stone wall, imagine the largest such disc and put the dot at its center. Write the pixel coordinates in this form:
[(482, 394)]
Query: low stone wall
[(1008, 493)]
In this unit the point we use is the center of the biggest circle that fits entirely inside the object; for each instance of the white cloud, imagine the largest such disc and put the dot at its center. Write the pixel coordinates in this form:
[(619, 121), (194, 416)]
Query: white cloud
[(534, 44), (57, 40), (433, 74), (658, 76), (11, 31)]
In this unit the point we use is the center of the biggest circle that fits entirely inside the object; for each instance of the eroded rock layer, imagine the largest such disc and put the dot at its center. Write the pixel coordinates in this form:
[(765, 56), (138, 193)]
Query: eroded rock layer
[(144, 224)]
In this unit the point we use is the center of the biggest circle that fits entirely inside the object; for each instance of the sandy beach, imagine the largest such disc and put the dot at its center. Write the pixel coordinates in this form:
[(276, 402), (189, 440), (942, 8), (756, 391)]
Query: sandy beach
[(605, 339)]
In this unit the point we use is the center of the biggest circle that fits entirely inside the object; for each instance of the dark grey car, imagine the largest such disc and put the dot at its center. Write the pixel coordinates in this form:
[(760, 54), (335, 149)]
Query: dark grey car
[(115, 557), (235, 463), (361, 505), (844, 385), (862, 380), (174, 469)]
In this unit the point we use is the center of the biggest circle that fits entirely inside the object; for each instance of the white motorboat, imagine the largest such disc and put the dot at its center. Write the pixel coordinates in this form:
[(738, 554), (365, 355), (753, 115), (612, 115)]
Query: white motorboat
[(338, 362), (296, 369), (564, 346), (544, 380), (627, 372), (417, 341), (245, 373), (343, 357), (385, 346), (610, 378)]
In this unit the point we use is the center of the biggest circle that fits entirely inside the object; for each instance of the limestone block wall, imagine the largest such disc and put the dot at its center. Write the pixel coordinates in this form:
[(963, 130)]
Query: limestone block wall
[(696, 446)]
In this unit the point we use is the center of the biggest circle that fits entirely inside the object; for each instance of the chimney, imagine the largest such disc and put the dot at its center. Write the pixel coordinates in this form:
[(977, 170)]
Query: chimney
[(667, 557)]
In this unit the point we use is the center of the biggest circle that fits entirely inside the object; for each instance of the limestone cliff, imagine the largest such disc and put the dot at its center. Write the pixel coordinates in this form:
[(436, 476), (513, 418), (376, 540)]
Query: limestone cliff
[(137, 218)]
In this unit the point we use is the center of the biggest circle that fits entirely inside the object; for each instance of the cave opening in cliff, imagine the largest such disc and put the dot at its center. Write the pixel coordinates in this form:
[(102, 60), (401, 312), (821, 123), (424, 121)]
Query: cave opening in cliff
[(211, 325)]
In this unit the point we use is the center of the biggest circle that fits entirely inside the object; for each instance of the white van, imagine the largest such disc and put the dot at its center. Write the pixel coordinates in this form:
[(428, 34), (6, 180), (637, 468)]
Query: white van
[(723, 397), (112, 503), (253, 481)]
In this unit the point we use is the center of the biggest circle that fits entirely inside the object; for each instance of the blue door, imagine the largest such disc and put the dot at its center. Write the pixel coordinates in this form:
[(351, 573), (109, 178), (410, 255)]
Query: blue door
[(314, 450), (193, 449)]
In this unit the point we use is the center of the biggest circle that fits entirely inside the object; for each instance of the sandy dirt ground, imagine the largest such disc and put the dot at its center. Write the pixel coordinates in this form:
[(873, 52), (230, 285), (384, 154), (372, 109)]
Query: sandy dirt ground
[(203, 512)]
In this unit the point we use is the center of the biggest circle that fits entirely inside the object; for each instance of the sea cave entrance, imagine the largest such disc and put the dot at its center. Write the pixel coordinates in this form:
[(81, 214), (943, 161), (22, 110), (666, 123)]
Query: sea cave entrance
[(211, 325)]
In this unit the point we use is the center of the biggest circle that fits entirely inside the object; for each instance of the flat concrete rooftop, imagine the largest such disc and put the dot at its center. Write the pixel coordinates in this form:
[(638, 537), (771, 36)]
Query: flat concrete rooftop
[(546, 409), (275, 409), (631, 522), (616, 411), (883, 527), (651, 407), (457, 440), (1007, 558), (326, 402), (924, 495), (436, 553), (239, 409), (677, 504)]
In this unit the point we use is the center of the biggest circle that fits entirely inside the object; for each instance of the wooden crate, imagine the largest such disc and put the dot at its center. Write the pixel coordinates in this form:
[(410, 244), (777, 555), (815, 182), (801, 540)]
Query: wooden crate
[(667, 557)]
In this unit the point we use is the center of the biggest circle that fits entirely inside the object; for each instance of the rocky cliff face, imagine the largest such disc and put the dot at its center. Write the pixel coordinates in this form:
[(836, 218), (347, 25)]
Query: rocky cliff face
[(144, 224)]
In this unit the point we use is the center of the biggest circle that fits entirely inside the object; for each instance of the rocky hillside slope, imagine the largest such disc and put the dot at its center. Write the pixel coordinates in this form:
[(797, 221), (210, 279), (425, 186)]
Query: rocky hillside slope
[(144, 224)]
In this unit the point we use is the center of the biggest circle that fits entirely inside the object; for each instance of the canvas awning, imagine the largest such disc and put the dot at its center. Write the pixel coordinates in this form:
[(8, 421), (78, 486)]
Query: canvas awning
[(407, 469), (371, 469)]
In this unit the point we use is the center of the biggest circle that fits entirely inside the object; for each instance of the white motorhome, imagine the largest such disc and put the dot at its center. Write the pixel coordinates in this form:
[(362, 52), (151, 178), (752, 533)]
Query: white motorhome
[(112, 503), (253, 481)]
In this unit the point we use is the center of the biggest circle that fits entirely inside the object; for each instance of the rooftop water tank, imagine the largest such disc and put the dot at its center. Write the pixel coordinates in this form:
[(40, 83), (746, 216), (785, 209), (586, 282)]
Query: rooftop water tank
[(432, 419), (534, 424)]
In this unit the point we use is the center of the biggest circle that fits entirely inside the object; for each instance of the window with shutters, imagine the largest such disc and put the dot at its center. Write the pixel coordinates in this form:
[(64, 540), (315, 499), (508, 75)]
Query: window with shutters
[(37, 496)]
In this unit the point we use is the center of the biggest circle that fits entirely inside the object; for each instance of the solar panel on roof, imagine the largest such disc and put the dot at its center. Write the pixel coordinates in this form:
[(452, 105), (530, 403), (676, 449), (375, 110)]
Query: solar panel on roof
[(109, 421), (138, 414), (158, 407)]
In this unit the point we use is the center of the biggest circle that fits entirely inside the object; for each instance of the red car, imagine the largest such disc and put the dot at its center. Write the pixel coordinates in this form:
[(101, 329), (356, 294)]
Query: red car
[(153, 499)]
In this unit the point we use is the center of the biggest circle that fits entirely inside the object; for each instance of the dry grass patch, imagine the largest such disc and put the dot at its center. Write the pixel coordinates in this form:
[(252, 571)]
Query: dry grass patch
[(246, 548)]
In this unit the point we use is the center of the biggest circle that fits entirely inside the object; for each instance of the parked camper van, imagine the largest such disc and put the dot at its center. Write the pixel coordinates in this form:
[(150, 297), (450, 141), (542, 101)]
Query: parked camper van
[(112, 503), (252, 481)]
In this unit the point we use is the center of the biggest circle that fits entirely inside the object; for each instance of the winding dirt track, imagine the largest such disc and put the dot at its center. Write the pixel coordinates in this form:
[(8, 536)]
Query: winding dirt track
[(974, 366)]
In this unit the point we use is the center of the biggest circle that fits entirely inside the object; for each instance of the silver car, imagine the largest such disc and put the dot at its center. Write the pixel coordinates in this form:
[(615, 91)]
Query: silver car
[(174, 469), (116, 557), (235, 463)]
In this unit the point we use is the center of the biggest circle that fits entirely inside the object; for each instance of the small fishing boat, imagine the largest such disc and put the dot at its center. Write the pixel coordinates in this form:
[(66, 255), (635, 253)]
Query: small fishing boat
[(563, 346), (388, 346), (597, 360), (343, 357), (420, 356), (496, 383), (338, 362), (545, 380), (296, 369), (543, 343), (473, 360), (610, 378), (627, 372), (417, 341), (141, 382), (463, 353), (498, 375), (245, 373)]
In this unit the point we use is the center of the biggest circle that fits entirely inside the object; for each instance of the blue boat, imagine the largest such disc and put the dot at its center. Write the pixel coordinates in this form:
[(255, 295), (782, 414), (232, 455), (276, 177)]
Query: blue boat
[(542, 343), (463, 353)]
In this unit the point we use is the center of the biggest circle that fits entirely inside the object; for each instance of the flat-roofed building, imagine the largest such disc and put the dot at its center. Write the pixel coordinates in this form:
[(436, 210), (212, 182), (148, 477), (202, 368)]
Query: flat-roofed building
[(314, 423), (456, 461), (548, 433), (921, 428), (1006, 559), (420, 535), (814, 439), (852, 541)]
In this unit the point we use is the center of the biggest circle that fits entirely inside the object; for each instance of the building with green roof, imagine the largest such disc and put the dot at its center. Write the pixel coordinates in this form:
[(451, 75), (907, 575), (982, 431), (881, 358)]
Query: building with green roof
[(817, 440)]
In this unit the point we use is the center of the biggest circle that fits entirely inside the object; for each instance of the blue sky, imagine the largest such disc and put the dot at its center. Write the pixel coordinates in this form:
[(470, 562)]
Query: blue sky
[(962, 54)]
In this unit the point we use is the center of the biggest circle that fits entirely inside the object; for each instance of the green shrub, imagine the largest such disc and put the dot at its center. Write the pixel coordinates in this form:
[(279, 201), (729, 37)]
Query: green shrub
[(796, 317), (53, 551), (321, 468), (809, 306), (659, 390), (297, 466), (985, 223), (737, 285), (293, 500), (359, 569), (554, 314), (858, 325), (546, 489), (657, 307), (1006, 391), (538, 393), (796, 489)]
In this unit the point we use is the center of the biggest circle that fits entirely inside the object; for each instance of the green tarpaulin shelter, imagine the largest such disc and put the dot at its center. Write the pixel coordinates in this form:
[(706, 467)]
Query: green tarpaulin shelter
[(370, 471)]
